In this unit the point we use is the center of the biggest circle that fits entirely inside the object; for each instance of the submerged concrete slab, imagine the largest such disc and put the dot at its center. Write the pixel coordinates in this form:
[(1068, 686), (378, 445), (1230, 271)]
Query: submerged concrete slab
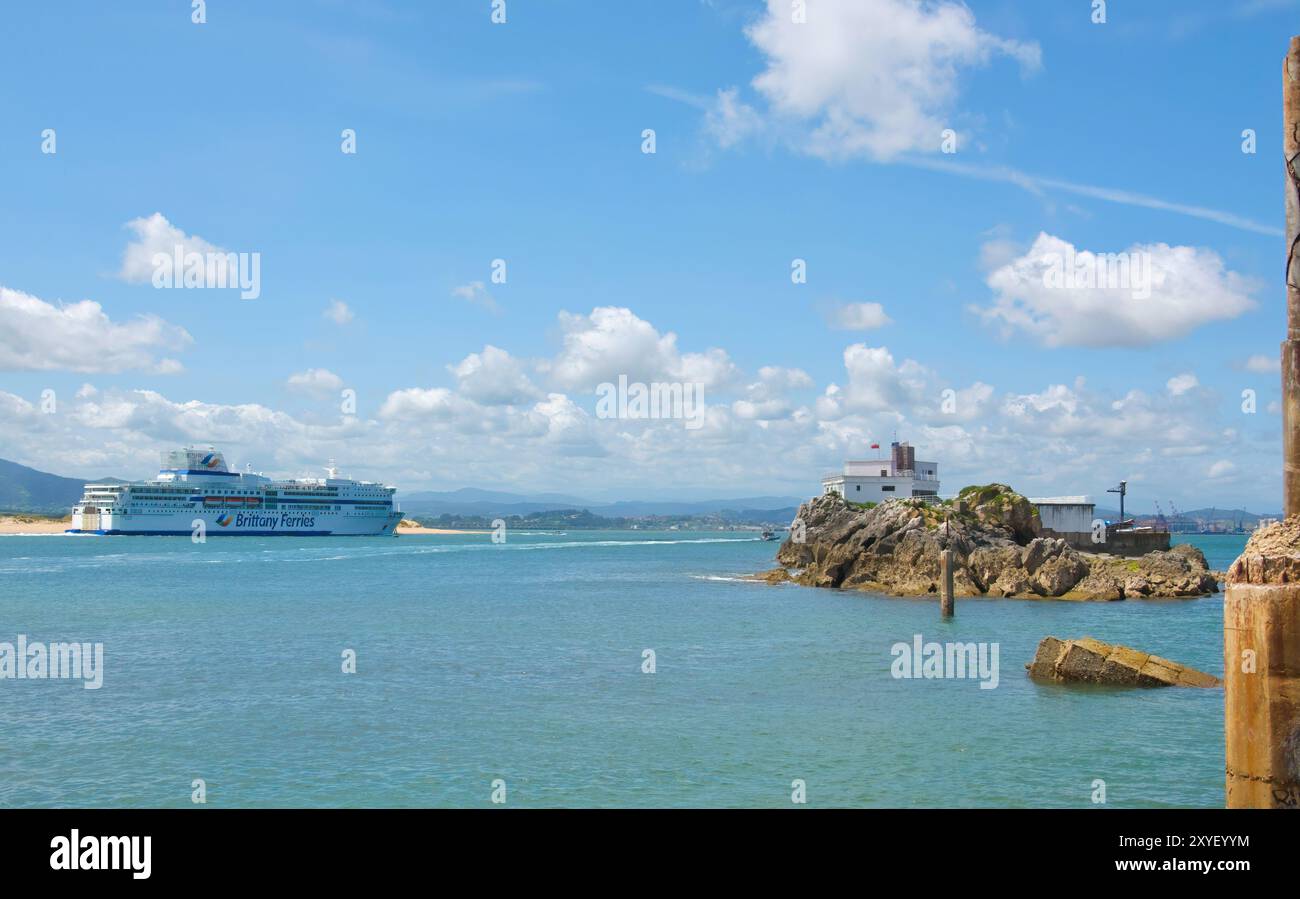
[(1088, 660)]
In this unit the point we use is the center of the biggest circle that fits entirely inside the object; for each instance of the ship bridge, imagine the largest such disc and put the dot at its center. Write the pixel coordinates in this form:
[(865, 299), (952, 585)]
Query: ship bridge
[(194, 464)]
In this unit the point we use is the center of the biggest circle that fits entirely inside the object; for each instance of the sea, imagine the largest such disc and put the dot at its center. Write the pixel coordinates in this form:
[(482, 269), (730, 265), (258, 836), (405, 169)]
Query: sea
[(578, 668)]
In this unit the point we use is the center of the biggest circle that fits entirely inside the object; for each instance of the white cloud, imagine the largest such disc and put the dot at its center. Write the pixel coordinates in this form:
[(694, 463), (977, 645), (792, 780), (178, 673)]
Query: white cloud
[(416, 402), (476, 292), (39, 336), (766, 399), (875, 384), (315, 380), (613, 341), (769, 431), (493, 378), (859, 317), (868, 77), (1264, 365), (1187, 287), (729, 120), (338, 312), (1221, 469), (155, 235), (1180, 384)]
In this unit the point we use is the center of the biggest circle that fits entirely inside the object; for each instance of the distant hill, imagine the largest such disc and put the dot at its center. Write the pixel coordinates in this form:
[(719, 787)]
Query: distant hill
[(475, 495), (24, 489), (473, 501), (1215, 514)]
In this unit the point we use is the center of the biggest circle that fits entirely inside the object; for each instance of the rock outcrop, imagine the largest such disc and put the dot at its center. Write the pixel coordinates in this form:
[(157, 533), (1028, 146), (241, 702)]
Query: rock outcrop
[(1271, 556), (995, 536), (1094, 662)]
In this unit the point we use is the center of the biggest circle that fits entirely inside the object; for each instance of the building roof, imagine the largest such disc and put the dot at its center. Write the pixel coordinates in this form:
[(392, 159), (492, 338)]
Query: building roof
[(1061, 500)]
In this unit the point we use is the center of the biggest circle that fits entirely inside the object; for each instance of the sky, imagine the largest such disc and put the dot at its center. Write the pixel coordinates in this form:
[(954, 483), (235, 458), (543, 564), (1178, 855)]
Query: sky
[(850, 230)]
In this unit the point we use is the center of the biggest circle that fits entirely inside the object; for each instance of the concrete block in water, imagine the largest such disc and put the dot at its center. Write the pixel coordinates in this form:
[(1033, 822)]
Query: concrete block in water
[(1091, 661)]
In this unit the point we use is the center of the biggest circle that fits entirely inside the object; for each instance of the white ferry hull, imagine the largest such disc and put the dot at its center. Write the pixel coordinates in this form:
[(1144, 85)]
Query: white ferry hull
[(195, 494), (241, 524)]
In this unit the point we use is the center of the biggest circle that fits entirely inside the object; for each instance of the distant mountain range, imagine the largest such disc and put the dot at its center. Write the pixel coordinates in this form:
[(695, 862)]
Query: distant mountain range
[(472, 501), (24, 489)]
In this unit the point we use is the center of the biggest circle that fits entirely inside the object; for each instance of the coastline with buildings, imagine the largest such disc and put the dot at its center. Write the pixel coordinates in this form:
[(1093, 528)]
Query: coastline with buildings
[(881, 525)]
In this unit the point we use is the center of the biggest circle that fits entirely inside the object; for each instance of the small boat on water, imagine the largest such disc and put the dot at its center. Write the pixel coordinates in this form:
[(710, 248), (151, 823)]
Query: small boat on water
[(768, 535)]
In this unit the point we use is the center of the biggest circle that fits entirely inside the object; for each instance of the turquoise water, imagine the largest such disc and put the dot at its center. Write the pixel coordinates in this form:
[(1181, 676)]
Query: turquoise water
[(1219, 549), (523, 662)]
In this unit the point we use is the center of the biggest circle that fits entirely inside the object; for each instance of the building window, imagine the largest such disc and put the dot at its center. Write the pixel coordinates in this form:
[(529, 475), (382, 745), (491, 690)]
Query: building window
[(888, 488), (883, 473), (858, 488)]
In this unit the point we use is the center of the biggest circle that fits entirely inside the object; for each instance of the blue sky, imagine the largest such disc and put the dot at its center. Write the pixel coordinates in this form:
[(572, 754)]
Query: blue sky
[(774, 141)]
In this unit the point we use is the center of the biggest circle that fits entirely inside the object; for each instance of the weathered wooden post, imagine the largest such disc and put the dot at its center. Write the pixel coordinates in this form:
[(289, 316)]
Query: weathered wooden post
[(945, 583), (1291, 346), (1261, 611)]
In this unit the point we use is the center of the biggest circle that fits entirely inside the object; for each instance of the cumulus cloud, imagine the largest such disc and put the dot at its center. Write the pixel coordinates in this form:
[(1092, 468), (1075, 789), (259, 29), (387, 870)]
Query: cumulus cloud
[(494, 377), (39, 336), (155, 235), (416, 402), (769, 430), (613, 341), (768, 398), (875, 78), (338, 312), (1064, 296), (1180, 384), (315, 380), (875, 383), (859, 317)]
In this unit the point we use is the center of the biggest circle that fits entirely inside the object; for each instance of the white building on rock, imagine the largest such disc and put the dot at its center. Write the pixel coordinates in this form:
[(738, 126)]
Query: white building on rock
[(875, 480)]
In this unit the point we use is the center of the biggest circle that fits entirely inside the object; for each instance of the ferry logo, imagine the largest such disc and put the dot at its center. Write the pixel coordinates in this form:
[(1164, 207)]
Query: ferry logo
[(210, 460), (224, 520)]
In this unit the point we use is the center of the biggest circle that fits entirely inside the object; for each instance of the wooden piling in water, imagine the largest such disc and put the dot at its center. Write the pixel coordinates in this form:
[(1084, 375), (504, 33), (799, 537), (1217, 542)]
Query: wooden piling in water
[(1261, 609), (945, 583)]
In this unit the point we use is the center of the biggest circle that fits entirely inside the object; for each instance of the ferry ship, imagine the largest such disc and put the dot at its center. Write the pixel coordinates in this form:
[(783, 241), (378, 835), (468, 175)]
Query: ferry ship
[(194, 490)]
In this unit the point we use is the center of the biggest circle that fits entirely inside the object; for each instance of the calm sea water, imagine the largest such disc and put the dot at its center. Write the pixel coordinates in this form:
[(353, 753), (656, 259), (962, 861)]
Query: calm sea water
[(523, 662)]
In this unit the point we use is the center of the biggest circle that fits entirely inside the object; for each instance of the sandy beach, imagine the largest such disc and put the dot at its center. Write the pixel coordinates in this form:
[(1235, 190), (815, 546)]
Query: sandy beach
[(33, 524), (409, 527)]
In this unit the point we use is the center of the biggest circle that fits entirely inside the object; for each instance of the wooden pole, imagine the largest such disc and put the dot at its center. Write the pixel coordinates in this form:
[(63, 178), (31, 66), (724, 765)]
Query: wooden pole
[(1261, 610), (1291, 346), (945, 583)]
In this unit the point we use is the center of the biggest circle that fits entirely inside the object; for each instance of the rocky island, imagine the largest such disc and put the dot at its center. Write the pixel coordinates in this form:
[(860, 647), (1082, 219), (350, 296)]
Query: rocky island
[(999, 549)]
